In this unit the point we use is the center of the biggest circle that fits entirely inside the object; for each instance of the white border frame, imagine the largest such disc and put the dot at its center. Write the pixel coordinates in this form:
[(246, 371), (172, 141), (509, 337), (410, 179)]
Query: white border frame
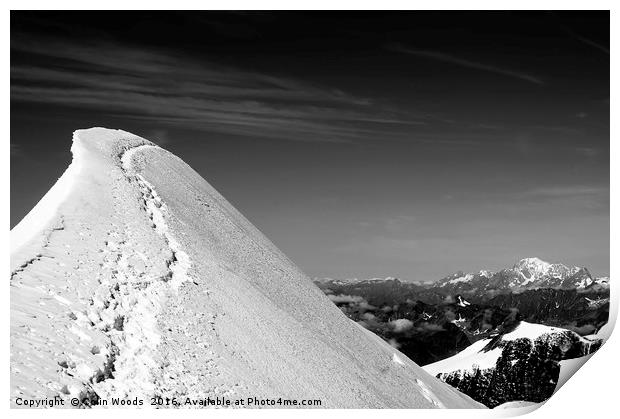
[(591, 392)]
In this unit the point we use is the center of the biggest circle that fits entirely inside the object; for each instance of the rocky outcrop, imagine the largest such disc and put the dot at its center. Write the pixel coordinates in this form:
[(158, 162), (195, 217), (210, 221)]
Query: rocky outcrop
[(522, 364)]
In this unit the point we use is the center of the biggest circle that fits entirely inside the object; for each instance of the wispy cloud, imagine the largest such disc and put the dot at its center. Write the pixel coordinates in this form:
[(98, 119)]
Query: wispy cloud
[(592, 43), (567, 191), (590, 198), (401, 325), (164, 87), (580, 37), (447, 58)]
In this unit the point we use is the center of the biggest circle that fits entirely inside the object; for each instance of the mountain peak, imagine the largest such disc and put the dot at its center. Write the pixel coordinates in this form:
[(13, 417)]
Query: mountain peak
[(532, 264), (124, 242), (527, 273)]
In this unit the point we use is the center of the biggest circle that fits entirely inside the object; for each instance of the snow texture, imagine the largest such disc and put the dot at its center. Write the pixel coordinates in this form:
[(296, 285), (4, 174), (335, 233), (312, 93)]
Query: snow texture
[(475, 354), (569, 367), (133, 277)]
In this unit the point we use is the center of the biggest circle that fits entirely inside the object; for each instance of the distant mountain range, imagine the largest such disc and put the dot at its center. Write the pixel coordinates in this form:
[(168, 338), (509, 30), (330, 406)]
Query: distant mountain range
[(471, 314), (527, 274)]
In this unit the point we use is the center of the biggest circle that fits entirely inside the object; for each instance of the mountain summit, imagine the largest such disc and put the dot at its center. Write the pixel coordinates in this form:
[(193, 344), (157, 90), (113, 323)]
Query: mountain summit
[(534, 269), (528, 273), (133, 277), (534, 266)]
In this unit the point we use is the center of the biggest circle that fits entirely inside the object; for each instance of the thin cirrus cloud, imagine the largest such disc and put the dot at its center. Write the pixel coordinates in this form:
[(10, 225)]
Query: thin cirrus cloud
[(590, 196), (565, 199), (592, 43), (447, 58), (166, 88), (564, 191)]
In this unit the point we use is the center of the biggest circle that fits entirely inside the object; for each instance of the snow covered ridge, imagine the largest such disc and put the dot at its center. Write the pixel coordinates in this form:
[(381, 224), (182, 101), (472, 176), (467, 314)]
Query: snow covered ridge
[(523, 364), (45, 210), (122, 309), (140, 280)]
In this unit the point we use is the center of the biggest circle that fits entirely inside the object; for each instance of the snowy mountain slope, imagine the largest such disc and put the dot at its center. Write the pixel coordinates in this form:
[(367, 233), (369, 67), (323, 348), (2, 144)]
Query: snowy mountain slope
[(569, 367), (522, 364), (135, 278), (524, 407)]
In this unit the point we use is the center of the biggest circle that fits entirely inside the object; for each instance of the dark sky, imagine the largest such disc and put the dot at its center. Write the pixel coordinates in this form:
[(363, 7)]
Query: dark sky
[(408, 144)]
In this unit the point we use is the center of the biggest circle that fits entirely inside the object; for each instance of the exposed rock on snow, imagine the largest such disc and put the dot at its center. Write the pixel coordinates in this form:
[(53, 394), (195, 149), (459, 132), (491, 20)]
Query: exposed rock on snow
[(569, 367), (461, 302), (445, 323), (133, 277), (522, 364)]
